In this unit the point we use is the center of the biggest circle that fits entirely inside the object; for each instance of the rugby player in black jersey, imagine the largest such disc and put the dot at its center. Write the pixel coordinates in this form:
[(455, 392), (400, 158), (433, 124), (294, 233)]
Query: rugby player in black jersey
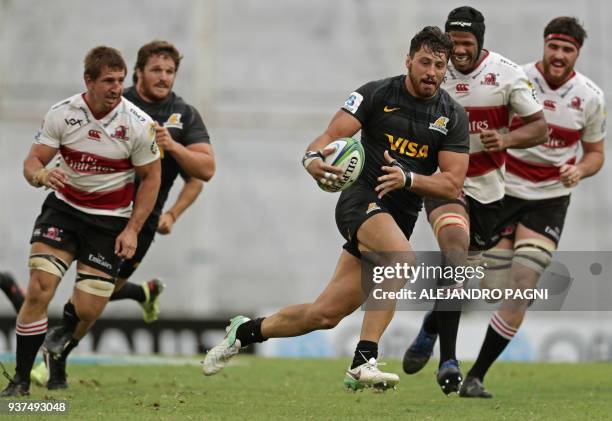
[(185, 149), (409, 129)]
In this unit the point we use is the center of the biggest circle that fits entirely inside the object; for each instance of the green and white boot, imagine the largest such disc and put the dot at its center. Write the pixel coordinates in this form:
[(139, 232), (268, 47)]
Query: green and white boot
[(369, 375), (40, 374), (150, 307), (218, 357)]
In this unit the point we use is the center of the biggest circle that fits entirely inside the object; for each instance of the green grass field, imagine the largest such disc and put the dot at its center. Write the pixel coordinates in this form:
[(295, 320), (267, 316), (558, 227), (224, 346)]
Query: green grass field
[(257, 388)]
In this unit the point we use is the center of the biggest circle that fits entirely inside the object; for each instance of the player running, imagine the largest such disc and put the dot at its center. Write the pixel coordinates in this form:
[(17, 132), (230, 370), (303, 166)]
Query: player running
[(95, 211), (185, 149), (491, 88), (540, 180), (378, 212)]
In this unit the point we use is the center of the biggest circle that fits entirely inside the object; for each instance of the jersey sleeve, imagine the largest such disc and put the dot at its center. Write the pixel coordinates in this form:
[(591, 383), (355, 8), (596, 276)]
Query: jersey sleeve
[(195, 130), (595, 126), (145, 148), (523, 97), (360, 102), (49, 133), (458, 138)]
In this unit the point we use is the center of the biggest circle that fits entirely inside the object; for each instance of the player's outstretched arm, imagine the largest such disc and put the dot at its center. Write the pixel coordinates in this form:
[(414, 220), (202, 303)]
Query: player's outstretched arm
[(188, 194)]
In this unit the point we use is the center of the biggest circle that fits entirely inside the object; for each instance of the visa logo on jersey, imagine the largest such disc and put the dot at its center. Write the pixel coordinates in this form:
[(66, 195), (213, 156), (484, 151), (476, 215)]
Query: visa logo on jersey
[(407, 147)]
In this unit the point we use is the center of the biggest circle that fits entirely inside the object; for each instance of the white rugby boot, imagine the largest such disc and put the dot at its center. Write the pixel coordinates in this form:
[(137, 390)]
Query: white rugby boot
[(369, 375)]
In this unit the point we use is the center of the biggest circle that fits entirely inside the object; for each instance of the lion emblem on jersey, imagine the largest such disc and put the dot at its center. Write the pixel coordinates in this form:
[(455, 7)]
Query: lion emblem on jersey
[(576, 103), (121, 132), (490, 79), (440, 125)]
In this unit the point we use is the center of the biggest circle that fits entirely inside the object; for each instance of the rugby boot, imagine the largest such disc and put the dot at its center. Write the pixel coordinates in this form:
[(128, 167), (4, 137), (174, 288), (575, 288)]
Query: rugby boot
[(420, 351), (473, 388), (57, 373), (16, 387), (449, 376), (369, 375), (217, 358), (150, 307)]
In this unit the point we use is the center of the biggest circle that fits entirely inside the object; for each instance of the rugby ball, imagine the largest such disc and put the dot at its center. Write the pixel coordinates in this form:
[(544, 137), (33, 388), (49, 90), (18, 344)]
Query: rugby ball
[(349, 156)]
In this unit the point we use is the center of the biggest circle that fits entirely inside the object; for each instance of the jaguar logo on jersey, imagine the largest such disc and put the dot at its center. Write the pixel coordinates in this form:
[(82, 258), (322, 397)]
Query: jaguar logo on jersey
[(174, 121), (121, 133), (440, 125), (408, 147), (462, 87), (549, 104), (372, 207), (490, 79), (94, 134), (576, 103)]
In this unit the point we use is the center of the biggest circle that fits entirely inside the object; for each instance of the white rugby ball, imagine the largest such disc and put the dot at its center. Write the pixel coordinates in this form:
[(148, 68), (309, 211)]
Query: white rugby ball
[(348, 155)]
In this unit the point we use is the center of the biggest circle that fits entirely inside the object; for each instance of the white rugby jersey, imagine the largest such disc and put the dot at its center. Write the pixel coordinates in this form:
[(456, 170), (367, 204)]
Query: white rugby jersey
[(99, 156), (575, 111), (494, 91)]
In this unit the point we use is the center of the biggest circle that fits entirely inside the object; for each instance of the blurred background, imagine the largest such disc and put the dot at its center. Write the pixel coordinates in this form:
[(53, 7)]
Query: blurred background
[(267, 76)]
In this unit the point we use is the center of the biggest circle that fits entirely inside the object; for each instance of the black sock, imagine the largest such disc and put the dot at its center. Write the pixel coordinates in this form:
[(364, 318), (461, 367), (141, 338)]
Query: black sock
[(70, 319), (448, 325), (30, 337), (12, 290), (130, 291), (364, 351), (430, 323), (250, 332), (497, 338)]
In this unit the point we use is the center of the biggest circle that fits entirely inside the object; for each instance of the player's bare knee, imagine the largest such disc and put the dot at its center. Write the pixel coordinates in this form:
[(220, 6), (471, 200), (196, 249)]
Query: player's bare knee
[(38, 298)]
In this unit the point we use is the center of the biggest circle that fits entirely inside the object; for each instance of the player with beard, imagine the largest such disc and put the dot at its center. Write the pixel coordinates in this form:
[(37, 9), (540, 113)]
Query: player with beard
[(378, 212), (540, 180), (185, 149), (95, 212), (491, 88)]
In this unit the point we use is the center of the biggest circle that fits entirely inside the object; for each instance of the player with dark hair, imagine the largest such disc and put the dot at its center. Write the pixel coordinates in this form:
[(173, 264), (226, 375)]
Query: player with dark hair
[(491, 88), (185, 149), (95, 211), (378, 212), (539, 181)]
